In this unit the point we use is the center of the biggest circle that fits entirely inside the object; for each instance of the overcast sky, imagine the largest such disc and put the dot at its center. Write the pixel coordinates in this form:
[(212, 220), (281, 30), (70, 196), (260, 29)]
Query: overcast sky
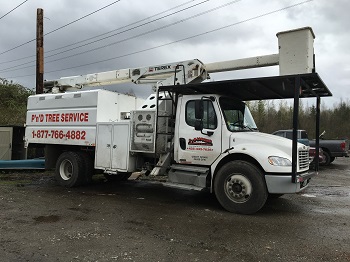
[(140, 25)]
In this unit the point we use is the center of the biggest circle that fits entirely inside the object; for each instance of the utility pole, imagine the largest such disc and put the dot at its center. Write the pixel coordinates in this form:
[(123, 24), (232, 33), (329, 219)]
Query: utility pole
[(39, 51)]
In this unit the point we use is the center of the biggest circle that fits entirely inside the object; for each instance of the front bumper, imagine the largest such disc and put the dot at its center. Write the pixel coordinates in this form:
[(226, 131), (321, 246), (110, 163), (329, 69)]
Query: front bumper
[(282, 183)]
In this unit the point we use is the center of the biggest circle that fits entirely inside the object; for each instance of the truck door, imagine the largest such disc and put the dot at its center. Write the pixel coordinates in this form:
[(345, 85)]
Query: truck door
[(200, 147)]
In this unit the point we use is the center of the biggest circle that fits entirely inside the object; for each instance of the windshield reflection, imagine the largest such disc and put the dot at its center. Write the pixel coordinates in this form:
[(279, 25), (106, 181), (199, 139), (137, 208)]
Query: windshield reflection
[(237, 115)]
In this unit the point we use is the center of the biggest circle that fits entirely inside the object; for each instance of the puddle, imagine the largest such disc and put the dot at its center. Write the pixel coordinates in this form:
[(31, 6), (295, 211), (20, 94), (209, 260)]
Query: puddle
[(331, 191)]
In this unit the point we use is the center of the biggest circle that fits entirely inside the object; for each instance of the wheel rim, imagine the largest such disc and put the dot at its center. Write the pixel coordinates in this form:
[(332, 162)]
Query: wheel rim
[(66, 169), (238, 188)]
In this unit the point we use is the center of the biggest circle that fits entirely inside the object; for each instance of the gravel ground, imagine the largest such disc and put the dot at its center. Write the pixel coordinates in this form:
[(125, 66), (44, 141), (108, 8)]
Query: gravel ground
[(138, 221)]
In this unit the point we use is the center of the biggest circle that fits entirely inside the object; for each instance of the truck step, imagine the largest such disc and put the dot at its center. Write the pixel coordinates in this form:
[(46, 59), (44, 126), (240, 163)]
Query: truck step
[(183, 186), (194, 169), (188, 175)]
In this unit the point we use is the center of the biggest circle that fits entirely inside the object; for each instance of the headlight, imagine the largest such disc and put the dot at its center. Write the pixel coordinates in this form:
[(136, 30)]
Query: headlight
[(279, 161)]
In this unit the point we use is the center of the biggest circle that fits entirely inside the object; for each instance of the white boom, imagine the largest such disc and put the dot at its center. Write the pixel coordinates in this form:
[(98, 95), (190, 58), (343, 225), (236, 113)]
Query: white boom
[(295, 57)]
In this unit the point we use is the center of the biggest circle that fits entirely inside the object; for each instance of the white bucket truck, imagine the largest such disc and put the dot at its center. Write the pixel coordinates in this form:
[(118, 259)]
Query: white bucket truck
[(195, 135)]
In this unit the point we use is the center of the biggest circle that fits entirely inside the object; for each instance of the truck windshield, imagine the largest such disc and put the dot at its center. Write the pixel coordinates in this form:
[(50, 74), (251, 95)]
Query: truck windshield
[(237, 115)]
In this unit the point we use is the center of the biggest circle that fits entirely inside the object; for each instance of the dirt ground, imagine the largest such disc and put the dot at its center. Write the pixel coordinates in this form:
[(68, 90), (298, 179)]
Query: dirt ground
[(138, 221)]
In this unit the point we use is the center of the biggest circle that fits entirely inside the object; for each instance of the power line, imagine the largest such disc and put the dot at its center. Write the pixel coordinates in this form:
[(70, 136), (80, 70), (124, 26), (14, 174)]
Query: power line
[(157, 19), (173, 42), (122, 27), (6, 69), (13, 9), (124, 40), (61, 26), (82, 17)]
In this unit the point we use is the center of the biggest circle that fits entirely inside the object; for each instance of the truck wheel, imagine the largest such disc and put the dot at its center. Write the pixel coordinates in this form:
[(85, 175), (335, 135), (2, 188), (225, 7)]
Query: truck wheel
[(89, 170), (332, 159), (327, 159), (240, 187), (70, 169)]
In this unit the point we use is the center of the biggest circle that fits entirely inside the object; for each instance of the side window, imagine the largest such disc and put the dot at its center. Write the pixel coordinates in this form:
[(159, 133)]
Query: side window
[(190, 116), (209, 117), (289, 135), (279, 134), (304, 135)]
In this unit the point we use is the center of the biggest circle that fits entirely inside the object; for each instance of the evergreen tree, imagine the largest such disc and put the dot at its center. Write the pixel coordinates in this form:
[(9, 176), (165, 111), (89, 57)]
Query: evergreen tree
[(13, 102)]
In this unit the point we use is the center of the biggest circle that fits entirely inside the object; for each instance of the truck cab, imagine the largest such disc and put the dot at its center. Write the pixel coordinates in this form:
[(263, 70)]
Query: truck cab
[(212, 131)]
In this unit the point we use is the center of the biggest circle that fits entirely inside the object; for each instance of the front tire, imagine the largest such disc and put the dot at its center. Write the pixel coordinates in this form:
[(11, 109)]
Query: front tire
[(240, 187), (70, 169)]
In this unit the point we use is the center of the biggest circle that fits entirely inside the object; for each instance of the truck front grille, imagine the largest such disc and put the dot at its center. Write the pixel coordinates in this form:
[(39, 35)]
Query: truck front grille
[(303, 159)]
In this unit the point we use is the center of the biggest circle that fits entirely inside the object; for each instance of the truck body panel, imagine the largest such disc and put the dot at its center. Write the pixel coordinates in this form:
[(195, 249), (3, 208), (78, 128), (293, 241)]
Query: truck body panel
[(71, 118)]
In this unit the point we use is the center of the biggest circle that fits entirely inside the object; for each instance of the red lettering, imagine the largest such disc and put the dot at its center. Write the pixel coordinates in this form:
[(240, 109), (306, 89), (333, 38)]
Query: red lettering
[(64, 117), (57, 117)]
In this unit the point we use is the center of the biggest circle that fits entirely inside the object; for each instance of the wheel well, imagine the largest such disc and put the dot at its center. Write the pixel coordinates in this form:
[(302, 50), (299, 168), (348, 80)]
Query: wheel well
[(325, 150), (52, 152), (233, 157)]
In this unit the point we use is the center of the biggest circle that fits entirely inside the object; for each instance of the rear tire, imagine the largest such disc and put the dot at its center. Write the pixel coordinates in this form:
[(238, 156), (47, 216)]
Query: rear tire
[(89, 170), (69, 169), (240, 187), (327, 159)]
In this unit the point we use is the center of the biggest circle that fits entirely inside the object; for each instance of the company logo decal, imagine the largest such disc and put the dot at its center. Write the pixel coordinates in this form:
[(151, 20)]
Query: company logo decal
[(158, 68), (201, 141)]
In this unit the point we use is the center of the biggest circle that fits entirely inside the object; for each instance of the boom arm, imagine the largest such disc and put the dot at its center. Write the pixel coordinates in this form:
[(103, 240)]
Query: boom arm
[(295, 57), (166, 74)]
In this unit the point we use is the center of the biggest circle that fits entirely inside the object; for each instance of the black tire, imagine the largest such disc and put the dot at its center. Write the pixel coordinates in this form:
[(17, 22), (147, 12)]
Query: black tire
[(69, 169), (327, 157), (89, 170), (332, 159), (240, 187)]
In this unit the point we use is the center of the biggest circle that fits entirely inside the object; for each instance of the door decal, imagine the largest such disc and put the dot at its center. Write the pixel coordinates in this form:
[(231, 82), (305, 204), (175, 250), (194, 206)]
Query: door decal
[(200, 141), (200, 144)]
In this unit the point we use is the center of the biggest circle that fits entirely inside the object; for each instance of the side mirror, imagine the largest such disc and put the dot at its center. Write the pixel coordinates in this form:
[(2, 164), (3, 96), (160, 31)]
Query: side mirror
[(198, 109)]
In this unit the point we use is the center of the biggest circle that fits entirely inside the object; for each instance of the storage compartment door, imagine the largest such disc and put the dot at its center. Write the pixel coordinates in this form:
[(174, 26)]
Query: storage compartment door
[(120, 150), (103, 146)]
